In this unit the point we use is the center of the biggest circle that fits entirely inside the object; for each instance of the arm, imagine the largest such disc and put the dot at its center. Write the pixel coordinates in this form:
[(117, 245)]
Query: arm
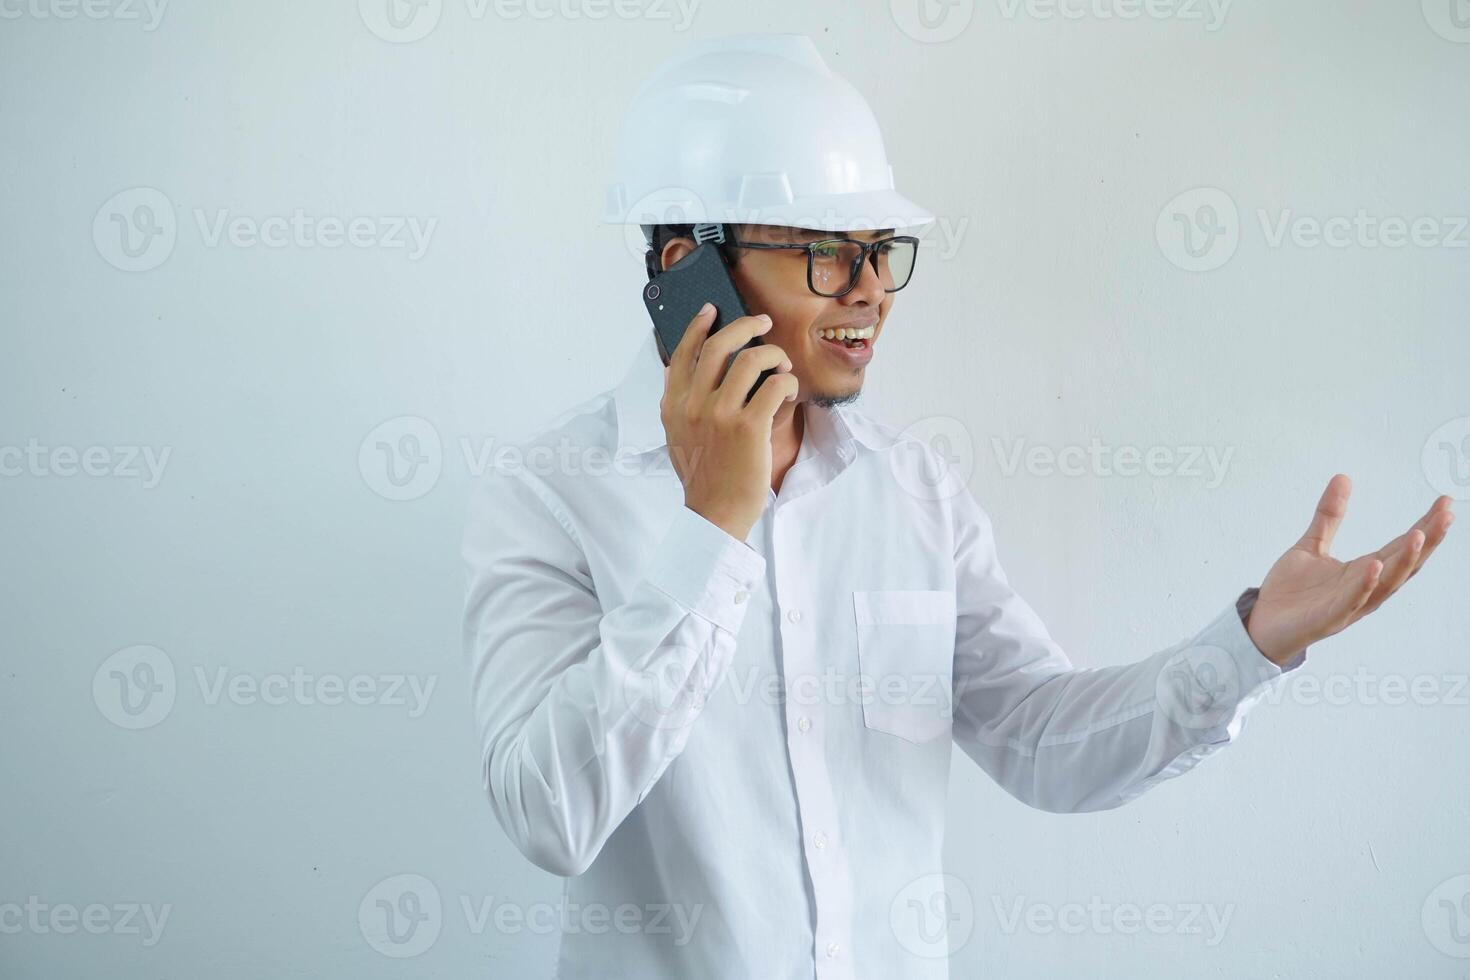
[(579, 709), (1068, 740)]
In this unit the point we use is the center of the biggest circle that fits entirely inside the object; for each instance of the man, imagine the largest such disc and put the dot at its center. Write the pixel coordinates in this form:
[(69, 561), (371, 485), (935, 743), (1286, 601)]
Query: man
[(719, 674)]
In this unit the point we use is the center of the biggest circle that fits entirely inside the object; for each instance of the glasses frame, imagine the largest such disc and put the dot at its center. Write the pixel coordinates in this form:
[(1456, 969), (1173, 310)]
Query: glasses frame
[(855, 273)]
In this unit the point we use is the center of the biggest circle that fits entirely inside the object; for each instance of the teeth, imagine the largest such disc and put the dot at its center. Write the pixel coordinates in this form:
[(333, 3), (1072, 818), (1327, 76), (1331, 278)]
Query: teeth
[(846, 333)]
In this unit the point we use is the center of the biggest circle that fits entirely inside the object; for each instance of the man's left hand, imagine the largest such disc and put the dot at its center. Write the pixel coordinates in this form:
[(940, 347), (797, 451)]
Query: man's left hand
[(1309, 595)]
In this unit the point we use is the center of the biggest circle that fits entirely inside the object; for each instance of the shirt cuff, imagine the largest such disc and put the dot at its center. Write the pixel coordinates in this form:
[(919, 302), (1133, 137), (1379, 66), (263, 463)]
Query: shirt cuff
[(706, 570), (1212, 681)]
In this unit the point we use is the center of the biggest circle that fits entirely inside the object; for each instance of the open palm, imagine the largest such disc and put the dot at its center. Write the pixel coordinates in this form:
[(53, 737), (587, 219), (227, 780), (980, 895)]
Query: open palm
[(1309, 595)]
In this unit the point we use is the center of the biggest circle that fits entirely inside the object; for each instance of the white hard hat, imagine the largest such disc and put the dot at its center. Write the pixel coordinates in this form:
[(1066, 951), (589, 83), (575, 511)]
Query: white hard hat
[(754, 129)]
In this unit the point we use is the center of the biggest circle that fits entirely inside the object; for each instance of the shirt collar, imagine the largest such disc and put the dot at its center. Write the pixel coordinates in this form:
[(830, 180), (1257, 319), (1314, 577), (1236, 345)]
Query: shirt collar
[(834, 429)]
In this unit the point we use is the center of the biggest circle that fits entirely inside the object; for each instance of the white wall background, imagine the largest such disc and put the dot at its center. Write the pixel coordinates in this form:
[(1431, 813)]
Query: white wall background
[(1046, 312)]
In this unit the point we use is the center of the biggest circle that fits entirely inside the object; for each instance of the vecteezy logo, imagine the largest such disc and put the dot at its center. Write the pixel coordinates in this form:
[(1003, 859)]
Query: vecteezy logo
[(402, 458), (666, 696), (135, 229), (936, 460), (400, 21), (401, 916), (1199, 230), (1450, 19), (932, 21), (135, 687), (933, 915), (1446, 458), (1199, 686), (1446, 917), (662, 206)]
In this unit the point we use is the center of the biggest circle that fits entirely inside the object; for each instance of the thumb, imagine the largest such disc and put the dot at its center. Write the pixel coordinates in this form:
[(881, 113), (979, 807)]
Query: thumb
[(1328, 516)]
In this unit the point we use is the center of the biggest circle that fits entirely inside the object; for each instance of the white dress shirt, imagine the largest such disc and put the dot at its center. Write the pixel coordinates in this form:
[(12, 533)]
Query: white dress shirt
[(737, 752)]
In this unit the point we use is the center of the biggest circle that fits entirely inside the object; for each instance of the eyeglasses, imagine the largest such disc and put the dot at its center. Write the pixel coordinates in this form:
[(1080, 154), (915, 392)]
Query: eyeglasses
[(834, 265)]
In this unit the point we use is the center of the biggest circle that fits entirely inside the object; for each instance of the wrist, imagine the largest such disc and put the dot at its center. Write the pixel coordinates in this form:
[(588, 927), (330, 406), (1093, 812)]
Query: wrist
[(1260, 633), (734, 526)]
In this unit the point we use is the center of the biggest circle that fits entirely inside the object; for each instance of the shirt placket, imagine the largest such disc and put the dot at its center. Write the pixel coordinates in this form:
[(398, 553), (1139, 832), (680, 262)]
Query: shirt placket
[(806, 719)]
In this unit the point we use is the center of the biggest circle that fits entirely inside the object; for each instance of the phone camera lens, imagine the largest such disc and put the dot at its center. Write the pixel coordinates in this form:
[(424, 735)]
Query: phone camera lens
[(652, 292)]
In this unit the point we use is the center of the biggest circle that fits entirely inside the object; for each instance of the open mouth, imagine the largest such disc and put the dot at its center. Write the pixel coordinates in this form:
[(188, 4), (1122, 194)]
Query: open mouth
[(853, 338)]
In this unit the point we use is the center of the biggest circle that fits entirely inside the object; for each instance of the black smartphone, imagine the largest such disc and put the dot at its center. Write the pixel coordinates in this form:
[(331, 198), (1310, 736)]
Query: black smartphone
[(675, 295)]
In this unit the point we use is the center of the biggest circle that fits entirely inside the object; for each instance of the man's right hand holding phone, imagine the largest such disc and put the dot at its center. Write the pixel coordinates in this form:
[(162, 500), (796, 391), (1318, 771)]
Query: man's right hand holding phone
[(720, 445)]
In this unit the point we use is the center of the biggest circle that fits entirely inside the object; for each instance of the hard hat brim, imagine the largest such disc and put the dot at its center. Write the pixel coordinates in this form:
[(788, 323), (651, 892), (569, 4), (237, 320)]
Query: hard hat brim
[(860, 211)]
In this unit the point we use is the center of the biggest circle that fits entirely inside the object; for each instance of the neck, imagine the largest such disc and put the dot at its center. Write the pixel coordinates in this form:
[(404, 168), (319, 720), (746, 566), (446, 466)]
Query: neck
[(788, 423), (787, 427)]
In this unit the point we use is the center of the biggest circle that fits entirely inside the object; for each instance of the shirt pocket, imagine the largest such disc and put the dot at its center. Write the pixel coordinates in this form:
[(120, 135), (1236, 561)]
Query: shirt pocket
[(905, 648)]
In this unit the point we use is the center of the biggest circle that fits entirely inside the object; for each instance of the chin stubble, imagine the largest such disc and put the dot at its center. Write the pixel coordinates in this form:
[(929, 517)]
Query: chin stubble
[(827, 401)]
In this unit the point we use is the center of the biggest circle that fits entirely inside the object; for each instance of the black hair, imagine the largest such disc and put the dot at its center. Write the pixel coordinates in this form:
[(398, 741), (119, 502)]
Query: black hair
[(663, 234)]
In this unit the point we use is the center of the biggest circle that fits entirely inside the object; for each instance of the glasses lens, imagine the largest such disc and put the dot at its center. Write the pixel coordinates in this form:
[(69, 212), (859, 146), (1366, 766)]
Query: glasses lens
[(833, 263), (895, 263), (836, 268)]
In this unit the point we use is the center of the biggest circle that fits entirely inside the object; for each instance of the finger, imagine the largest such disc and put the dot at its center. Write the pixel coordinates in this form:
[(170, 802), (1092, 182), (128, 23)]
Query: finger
[(1396, 570), (717, 348), (685, 354), (681, 364), (1441, 505), (1432, 526), (742, 375), (1329, 514), (771, 395), (1433, 535), (1388, 551), (1360, 577)]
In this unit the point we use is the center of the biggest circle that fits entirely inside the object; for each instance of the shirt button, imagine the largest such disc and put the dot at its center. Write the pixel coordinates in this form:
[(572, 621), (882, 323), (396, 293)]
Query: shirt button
[(794, 615), (833, 949), (804, 723), (741, 596), (819, 839)]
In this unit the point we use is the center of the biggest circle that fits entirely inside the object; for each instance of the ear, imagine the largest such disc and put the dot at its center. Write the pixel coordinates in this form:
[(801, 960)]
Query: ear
[(674, 250)]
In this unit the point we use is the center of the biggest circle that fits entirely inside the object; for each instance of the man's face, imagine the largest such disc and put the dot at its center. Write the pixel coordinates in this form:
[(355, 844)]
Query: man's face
[(774, 282)]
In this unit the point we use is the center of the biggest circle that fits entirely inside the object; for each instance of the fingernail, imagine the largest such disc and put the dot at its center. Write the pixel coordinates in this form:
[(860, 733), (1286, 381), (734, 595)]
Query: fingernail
[(764, 317), (706, 308)]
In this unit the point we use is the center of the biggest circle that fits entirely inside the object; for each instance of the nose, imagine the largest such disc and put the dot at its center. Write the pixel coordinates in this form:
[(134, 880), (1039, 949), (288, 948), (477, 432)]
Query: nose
[(868, 290)]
